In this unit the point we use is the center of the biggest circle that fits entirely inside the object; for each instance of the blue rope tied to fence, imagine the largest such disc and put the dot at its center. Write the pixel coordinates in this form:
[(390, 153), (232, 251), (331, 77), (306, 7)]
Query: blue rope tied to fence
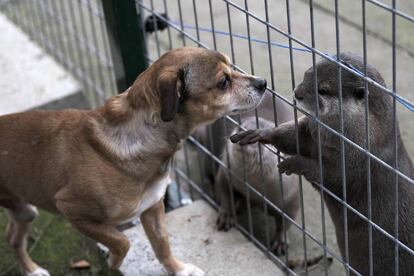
[(257, 40), (404, 102), (408, 105)]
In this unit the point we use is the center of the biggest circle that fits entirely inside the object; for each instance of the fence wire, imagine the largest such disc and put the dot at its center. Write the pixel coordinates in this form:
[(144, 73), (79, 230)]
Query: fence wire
[(74, 33), (278, 40), (244, 30)]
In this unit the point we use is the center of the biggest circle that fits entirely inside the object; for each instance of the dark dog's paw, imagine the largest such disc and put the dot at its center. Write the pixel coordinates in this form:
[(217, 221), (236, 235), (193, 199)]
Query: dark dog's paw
[(300, 165), (296, 164), (279, 248), (225, 220), (250, 136), (291, 165)]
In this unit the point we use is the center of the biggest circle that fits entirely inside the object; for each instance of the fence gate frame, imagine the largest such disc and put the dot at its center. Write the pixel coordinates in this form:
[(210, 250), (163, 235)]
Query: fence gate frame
[(126, 39)]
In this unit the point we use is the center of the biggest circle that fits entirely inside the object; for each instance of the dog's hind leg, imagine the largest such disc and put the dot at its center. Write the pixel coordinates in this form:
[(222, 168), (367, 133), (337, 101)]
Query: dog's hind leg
[(280, 245), (291, 207), (20, 217), (226, 218)]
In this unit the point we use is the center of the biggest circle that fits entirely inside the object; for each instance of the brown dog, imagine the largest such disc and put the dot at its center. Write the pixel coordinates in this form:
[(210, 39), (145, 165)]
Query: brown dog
[(103, 167)]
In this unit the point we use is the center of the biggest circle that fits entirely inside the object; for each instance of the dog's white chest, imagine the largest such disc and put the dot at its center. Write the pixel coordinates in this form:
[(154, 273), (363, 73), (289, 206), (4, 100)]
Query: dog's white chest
[(152, 195)]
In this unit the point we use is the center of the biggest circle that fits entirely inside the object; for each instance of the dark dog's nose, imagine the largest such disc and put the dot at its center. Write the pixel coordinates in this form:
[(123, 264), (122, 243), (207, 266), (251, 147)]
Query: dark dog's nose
[(260, 84), (298, 94), (298, 97)]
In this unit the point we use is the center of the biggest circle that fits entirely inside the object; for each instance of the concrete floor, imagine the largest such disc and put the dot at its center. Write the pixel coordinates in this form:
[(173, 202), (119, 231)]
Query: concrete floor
[(195, 240), (46, 81), (312, 220), (379, 53)]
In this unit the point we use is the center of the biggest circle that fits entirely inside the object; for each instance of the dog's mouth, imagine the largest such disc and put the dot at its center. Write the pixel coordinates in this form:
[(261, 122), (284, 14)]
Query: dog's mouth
[(300, 103), (247, 107)]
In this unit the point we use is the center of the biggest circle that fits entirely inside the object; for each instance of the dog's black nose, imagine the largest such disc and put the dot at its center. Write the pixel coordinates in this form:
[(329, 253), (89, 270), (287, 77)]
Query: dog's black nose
[(260, 84), (298, 97), (298, 92)]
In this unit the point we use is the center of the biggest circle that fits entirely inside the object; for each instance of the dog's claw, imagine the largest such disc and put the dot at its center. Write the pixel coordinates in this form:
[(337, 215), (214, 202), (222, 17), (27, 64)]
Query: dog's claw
[(38, 272), (279, 248), (225, 220), (190, 270)]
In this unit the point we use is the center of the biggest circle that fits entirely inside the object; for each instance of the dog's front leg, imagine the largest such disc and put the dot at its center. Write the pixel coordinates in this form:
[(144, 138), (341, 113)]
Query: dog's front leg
[(301, 165), (117, 243), (154, 225), (282, 137)]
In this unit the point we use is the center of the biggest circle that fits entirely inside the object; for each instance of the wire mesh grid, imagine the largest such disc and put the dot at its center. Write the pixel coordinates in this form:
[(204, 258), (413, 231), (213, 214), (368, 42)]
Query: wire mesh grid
[(74, 33), (278, 40)]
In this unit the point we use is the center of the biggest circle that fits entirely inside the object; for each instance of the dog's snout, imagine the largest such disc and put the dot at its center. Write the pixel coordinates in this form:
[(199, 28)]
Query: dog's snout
[(298, 94), (298, 97), (260, 84)]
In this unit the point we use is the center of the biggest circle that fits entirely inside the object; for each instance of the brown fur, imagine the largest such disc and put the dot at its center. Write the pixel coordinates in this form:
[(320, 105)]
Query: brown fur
[(98, 168)]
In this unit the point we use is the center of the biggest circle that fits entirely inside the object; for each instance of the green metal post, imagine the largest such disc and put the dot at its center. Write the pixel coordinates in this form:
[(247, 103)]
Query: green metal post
[(126, 39)]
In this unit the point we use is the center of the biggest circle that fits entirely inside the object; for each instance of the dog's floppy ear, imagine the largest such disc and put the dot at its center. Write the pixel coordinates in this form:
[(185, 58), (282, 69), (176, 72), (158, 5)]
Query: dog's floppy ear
[(170, 89)]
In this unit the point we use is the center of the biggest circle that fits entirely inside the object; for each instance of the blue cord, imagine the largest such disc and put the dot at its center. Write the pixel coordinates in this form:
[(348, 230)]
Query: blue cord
[(408, 105), (243, 37), (404, 102)]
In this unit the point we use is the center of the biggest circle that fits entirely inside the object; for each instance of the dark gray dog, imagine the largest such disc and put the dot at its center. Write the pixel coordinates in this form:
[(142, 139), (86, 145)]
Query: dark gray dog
[(246, 165), (383, 192), (258, 169)]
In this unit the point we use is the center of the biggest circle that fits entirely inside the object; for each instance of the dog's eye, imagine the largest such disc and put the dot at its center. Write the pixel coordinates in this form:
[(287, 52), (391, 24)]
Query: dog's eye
[(223, 83), (322, 91)]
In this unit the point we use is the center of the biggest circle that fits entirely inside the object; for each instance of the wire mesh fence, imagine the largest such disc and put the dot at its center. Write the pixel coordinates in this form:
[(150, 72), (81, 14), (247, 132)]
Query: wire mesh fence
[(280, 40), (74, 33), (371, 221)]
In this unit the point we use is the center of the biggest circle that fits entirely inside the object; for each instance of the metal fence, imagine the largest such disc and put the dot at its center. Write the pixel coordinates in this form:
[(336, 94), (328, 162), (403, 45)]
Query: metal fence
[(74, 33), (278, 40)]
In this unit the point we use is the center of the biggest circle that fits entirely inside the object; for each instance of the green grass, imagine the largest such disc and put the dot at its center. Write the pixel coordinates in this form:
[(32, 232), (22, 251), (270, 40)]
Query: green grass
[(54, 244)]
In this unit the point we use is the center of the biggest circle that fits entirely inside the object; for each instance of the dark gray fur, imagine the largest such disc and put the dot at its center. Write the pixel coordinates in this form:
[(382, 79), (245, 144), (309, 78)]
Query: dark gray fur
[(215, 137), (269, 180), (261, 173), (305, 162)]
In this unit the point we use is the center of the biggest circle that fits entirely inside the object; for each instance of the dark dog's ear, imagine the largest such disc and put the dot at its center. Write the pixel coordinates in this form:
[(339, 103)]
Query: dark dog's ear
[(359, 92), (169, 88)]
